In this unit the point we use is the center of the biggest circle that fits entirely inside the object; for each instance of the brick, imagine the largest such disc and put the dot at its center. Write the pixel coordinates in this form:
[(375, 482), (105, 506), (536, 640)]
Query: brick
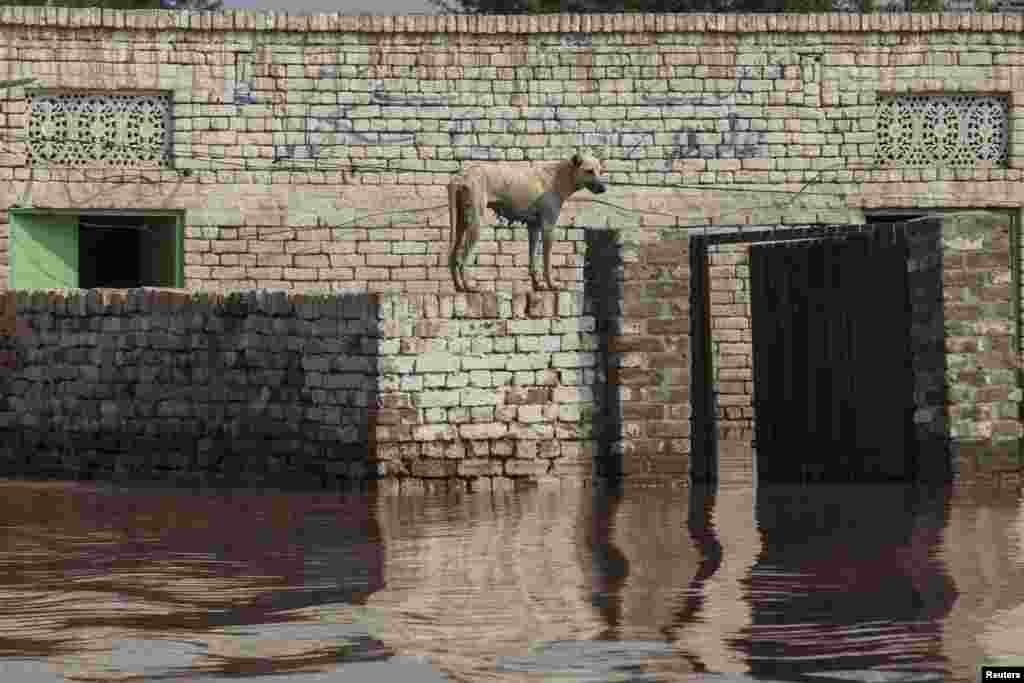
[(478, 467), (487, 430), (669, 428), (437, 362), (526, 395), (527, 468), (434, 399), (643, 411), (434, 433), (434, 468), (636, 343)]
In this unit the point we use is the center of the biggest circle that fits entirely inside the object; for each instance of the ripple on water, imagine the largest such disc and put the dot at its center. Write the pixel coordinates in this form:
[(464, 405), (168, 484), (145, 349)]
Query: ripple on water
[(872, 584)]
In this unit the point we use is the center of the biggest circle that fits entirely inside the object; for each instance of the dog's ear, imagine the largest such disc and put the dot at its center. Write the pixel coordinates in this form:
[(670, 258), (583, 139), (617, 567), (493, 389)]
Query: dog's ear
[(576, 159)]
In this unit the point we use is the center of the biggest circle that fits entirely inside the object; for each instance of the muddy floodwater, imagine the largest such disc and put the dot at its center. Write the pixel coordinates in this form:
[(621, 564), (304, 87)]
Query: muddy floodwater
[(105, 582)]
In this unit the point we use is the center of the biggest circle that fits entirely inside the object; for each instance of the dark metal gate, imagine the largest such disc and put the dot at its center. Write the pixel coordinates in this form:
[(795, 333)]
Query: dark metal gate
[(833, 384)]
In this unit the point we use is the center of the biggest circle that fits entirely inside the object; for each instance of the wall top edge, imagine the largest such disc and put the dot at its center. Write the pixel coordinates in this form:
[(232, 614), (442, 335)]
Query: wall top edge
[(250, 20), (15, 304)]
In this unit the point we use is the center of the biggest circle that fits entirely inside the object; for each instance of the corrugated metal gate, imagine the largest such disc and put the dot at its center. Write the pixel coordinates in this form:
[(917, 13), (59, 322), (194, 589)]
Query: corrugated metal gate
[(833, 383)]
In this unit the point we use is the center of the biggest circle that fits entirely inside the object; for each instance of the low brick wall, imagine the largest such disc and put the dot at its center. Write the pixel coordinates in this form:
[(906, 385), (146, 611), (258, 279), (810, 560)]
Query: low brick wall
[(488, 386), (264, 386)]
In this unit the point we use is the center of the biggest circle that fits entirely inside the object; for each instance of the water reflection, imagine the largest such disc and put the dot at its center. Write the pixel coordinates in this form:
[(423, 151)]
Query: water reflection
[(105, 582), (713, 607), (983, 550), (809, 583), (849, 582)]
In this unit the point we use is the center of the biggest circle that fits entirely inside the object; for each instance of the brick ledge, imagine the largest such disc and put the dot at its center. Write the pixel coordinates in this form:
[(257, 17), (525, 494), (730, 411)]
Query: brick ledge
[(246, 20)]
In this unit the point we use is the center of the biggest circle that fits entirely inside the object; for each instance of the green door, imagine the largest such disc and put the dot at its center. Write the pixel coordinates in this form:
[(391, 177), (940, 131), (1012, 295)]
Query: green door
[(44, 251)]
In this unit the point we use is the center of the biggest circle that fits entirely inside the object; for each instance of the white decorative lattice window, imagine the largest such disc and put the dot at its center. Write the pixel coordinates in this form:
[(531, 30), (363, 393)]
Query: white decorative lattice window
[(99, 129), (942, 130)]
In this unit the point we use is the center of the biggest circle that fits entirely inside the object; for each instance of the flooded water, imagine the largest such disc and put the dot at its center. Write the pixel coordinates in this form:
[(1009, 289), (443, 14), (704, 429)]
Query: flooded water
[(100, 582)]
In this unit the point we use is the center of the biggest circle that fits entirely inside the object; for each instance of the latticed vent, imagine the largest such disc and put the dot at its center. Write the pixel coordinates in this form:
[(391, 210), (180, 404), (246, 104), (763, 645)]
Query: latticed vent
[(942, 130), (99, 129), (1008, 6)]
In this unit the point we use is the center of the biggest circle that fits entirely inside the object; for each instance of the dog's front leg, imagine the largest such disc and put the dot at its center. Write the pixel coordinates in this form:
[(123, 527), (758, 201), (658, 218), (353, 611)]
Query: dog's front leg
[(549, 238), (533, 229)]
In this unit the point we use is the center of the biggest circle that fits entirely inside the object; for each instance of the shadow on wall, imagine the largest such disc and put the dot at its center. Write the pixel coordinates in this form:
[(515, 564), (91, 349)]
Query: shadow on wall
[(602, 290), (704, 456), (253, 387), (925, 279), (309, 402)]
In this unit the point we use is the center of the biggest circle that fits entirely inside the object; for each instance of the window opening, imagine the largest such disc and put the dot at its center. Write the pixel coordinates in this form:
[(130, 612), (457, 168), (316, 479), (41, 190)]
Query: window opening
[(127, 251)]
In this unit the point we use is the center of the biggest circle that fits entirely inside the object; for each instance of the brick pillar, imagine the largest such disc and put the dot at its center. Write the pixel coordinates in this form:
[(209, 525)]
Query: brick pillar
[(650, 358), (732, 353), (731, 341), (983, 394)]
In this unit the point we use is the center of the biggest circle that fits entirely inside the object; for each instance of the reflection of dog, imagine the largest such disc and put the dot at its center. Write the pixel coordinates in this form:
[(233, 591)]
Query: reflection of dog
[(529, 194)]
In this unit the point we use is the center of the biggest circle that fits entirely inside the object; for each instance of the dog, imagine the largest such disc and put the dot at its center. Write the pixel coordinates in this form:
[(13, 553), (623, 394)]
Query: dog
[(527, 194)]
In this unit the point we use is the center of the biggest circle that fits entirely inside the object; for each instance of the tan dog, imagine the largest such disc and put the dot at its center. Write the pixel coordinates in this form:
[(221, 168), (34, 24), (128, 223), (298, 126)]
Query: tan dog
[(530, 194)]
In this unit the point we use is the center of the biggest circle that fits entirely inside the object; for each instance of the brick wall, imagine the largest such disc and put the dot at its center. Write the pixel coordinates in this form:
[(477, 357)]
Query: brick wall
[(297, 137), (269, 385), (397, 257), (982, 367), (311, 152)]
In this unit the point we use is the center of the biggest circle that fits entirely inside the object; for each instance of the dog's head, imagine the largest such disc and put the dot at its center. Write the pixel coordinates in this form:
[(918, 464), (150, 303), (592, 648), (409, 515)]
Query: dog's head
[(588, 173)]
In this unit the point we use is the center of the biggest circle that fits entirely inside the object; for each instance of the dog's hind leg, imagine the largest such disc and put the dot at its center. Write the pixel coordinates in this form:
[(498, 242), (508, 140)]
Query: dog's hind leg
[(549, 237), (458, 229)]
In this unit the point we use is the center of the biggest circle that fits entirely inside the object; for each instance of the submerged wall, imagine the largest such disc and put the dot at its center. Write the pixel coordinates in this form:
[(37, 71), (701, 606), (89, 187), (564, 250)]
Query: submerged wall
[(311, 152), (267, 385)]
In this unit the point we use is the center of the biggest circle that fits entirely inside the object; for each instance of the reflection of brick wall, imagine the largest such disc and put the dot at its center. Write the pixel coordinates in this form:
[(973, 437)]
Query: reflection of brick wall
[(982, 558), (492, 574), (731, 343)]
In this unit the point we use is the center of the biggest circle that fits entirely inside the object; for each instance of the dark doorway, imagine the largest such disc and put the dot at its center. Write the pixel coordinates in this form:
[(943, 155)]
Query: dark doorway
[(832, 367), (108, 254), (123, 251)]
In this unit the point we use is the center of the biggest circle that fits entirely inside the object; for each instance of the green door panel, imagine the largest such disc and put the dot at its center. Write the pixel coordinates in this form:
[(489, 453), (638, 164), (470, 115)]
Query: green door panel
[(44, 251)]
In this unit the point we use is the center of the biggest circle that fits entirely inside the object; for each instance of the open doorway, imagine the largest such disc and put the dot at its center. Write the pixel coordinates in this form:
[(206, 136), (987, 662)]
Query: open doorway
[(755, 420), (126, 251), (51, 250)]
